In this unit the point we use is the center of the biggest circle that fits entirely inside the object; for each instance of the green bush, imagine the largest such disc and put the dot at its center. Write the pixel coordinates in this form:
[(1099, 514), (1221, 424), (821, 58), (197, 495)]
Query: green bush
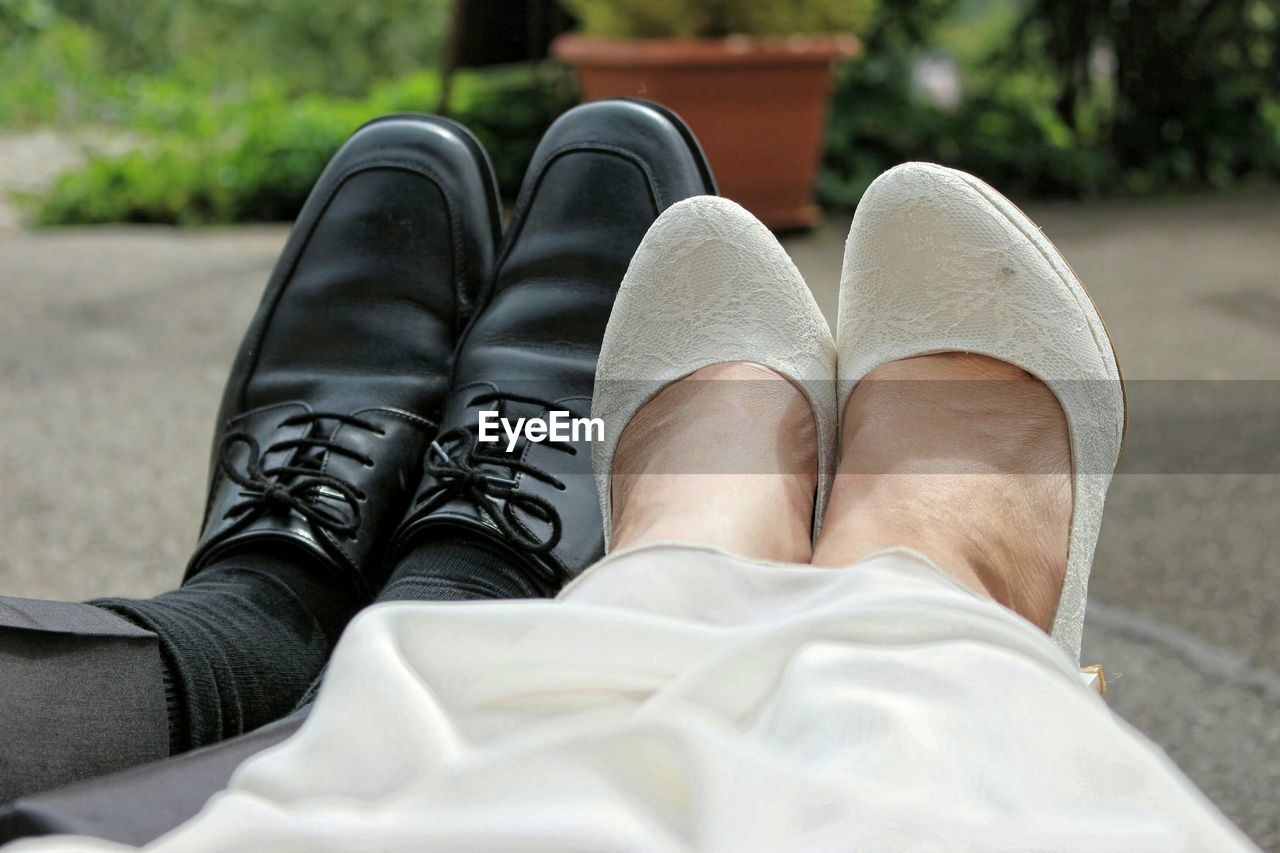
[(238, 106), (1193, 100), (337, 48), (715, 18), (1193, 94), (1004, 129), (255, 157), (49, 65), (73, 62), (1008, 135)]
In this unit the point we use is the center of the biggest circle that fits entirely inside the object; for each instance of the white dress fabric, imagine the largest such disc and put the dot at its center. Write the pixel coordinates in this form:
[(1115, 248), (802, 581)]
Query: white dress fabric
[(678, 698)]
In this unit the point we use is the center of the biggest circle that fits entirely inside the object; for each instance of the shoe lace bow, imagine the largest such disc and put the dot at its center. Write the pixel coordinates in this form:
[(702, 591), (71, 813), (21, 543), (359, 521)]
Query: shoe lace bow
[(301, 485), (466, 469)]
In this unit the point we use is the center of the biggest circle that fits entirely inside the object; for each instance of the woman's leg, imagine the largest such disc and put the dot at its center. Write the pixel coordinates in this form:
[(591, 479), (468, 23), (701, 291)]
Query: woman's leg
[(726, 457), (965, 459)]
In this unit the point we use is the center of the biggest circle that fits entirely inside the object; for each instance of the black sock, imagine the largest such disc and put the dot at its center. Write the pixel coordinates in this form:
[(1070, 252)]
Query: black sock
[(458, 569), (243, 640), (455, 569)]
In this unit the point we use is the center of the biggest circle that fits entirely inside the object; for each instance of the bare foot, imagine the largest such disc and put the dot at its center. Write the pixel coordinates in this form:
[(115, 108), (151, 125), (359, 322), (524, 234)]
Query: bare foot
[(967, 460), (726, 457)]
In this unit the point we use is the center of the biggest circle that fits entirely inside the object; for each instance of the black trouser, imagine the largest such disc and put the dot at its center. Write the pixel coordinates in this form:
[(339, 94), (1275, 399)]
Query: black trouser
[(97, 687), (138, 805), (86, 692), (81, 694)]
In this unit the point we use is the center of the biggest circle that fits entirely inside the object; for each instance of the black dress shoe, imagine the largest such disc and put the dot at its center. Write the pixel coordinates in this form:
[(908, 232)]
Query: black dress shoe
[(599, 178), (334, 394)]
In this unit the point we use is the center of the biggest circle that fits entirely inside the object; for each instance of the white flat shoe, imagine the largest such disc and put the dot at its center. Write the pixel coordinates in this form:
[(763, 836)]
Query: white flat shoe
[(937, 261), (710, 285)]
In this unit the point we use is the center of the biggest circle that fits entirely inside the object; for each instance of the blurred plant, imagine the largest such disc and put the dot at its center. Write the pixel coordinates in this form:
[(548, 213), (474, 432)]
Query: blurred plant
[(330, 47), (1009, 136), (20, 18), (255, 158), (238, 103), (1003, 126), (640, 19), (1086, 98), (48, 64), (1178, 91), (69, 61)]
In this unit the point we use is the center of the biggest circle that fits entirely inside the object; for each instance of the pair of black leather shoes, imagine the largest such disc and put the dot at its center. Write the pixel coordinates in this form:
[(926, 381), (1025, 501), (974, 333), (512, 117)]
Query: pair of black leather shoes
[(398, 311)]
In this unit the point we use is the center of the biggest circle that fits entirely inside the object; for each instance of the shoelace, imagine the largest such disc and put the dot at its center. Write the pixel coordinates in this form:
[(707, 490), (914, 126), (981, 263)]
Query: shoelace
[(461, 474), (297, 488)]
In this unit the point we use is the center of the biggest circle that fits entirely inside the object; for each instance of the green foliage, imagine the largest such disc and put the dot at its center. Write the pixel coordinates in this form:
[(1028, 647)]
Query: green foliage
[(1004, 130), (1195, 88), (1194, 100), (72, 61), (331, 47), (1004, 135), (47, 63), (238, 104), (714, 18), (256, 157)]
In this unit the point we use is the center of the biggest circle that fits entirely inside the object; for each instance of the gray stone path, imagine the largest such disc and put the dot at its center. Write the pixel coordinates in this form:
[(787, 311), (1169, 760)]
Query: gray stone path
[(114, 343)]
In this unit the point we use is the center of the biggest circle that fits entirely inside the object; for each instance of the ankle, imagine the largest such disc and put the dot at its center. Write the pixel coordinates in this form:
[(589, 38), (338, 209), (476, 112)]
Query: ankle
[(726, 457), (995, 533), (720, 511)]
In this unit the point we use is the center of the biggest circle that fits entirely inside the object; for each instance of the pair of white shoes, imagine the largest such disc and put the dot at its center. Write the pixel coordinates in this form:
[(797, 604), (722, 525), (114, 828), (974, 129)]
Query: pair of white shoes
[(937, 261)]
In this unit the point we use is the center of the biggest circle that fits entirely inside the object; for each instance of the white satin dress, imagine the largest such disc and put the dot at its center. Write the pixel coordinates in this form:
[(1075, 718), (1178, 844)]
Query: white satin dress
[(680, 698)]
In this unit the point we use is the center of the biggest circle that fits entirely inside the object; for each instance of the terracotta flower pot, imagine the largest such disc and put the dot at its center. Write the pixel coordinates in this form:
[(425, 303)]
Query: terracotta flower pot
[(758, 106)]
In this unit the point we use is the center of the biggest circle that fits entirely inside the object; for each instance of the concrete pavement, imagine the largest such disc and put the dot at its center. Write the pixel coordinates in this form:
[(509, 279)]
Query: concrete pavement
[(114, 344)]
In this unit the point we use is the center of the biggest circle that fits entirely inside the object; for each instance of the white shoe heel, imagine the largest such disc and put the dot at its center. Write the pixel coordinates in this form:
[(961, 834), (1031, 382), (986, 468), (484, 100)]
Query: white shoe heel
[(937, 261), (710, 285)]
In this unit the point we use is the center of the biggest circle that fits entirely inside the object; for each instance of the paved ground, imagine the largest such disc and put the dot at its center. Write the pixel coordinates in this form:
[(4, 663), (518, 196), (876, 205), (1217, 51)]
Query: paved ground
[(114, 343)]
